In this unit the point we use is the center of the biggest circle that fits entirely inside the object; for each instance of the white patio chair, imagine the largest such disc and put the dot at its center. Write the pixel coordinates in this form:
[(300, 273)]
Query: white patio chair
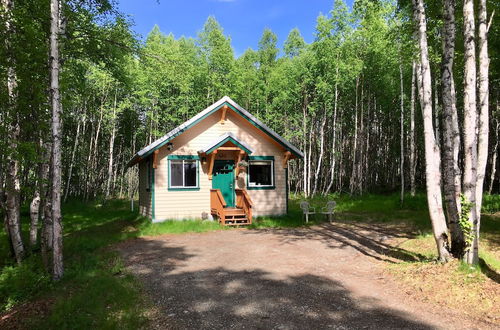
[(329, 209), (307, 210)]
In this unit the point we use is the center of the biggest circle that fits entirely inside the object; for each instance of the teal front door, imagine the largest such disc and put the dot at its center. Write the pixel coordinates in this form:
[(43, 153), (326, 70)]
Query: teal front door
[(223, 179)]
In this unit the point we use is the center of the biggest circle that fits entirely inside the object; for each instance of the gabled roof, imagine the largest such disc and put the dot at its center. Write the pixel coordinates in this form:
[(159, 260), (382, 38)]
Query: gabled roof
[(224, 138), (148, 150)]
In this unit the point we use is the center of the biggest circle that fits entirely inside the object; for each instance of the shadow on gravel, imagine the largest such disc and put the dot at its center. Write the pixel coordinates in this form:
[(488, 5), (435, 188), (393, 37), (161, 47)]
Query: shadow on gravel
[(220, 298), (369, 241)]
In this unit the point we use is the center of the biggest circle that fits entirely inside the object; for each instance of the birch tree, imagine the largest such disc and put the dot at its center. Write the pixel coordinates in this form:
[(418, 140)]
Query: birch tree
[(451, 138), (483, 122), (470, 127), (13, 185), (55, 30), (432, 152)]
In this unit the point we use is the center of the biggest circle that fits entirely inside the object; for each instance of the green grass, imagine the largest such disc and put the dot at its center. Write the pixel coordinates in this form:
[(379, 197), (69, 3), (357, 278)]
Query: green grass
[(92, 273), (95, 292), (98, 293), (178, 227)]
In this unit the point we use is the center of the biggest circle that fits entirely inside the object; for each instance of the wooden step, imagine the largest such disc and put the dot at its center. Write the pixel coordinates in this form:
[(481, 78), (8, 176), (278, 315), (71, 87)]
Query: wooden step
[(233, 211), (236, 222)]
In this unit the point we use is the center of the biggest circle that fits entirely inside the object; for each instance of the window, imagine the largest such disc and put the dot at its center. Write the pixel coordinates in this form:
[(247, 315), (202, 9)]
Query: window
[(183, 172), (261, 173)]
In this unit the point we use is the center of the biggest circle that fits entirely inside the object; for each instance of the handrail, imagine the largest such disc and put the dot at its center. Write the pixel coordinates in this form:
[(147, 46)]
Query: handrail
[(219, 196), (244, 202), (217, 202)]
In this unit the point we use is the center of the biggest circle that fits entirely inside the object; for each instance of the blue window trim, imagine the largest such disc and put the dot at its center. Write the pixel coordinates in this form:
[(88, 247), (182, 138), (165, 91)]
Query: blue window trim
[(271, 158), (184, 157)]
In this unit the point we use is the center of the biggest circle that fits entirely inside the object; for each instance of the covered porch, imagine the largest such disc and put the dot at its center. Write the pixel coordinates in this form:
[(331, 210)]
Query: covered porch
[(222, 157)]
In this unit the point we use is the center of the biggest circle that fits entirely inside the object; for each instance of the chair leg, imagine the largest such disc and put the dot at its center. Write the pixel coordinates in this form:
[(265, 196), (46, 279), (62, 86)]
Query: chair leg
[(307, 217)]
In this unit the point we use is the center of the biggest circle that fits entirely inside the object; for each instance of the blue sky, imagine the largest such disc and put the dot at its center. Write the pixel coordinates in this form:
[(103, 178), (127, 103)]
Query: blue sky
[(242, 20)]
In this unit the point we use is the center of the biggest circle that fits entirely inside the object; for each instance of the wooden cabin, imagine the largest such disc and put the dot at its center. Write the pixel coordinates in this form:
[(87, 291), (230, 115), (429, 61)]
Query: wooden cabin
[(197, 170)]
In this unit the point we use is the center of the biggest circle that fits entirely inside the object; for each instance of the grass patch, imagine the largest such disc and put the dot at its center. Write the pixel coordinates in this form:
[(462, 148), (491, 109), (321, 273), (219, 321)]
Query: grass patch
[(177, 227), (455, 284), (96, 292)]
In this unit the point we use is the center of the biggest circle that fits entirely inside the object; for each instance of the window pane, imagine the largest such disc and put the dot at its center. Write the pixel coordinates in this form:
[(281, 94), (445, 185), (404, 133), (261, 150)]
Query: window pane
[(176, 173), (190, 173), (260, 173)]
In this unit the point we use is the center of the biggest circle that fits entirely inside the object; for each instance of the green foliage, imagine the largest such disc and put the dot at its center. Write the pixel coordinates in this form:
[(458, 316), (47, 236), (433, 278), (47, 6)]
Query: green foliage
[(491, 203), (463, 220), (95, 290), (21, 282)]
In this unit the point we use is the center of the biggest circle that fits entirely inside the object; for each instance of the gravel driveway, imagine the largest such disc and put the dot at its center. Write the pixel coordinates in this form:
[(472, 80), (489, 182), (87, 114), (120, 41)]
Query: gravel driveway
[(328, 276)]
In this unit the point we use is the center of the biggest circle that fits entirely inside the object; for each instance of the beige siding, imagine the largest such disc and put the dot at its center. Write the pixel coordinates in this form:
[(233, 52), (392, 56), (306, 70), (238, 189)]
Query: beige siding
[(144, 193), (196, 204)]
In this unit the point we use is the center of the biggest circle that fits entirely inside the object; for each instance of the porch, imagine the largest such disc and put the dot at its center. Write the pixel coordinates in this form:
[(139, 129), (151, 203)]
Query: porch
[(239, 215)]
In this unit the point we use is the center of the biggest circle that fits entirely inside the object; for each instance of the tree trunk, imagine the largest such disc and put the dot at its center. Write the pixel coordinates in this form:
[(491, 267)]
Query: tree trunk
[(45, 207), (494, 159), (12, 181), (354, 147), (321, 153), (451, 138), (57, 257), (432, 153), (75, 146), (334, 131), (34, 215), (111, 146), (412, 132), (470, 121), (402, 156), (436, 113), (483, 122)]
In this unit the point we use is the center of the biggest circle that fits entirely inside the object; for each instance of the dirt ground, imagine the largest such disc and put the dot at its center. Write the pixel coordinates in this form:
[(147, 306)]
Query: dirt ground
[(328, 276)]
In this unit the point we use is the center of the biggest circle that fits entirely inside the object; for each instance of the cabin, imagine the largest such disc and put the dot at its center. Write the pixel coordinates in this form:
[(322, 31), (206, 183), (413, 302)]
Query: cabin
[(222, 164)]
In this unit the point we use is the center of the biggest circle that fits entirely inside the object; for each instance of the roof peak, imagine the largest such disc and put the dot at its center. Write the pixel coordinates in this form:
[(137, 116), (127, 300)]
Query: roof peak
[(146, 151)]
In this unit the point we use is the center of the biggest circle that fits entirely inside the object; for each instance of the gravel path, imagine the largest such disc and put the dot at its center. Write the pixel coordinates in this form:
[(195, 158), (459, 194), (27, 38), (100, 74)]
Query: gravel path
[(327, 276)]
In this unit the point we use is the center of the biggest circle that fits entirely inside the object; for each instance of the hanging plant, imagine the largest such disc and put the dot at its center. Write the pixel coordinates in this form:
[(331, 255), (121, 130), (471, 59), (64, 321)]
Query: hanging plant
[(243, 164)]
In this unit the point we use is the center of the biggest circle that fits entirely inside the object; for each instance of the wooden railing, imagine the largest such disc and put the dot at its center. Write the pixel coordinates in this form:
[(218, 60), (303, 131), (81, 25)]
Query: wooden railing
[(217, 202), (244, 202)]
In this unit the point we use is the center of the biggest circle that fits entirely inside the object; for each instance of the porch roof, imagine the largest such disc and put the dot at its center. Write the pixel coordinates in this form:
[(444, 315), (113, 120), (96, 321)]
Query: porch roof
[(221, 140)]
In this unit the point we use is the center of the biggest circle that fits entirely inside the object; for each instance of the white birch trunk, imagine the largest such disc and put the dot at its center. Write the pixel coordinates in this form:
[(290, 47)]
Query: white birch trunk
[(482, 148), (402, 156), (321, 153), (432, 153), (111, 147), (12, 180), (34, 216), (470, 120), (494, 159), (354, 148), (451, 134), (412, 132), (57, 257), (334, 131)]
